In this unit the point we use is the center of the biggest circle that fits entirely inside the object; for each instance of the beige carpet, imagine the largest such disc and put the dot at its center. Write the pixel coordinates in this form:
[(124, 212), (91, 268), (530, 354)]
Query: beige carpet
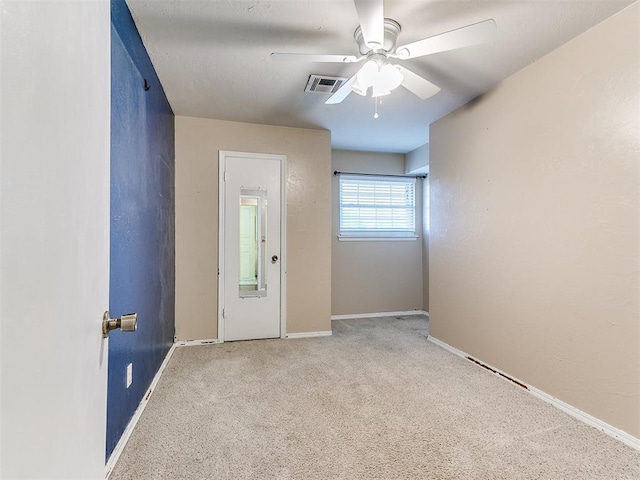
[(374, 401)]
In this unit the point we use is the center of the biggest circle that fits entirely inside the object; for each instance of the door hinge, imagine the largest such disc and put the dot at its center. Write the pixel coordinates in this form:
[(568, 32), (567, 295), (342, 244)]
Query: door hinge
[(223, 313), (224, 176)]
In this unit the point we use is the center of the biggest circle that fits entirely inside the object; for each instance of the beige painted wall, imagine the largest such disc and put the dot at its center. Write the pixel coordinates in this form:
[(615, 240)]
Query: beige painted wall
[(425, 245), (308, 220), (418, 160), (374, 276), (534, 245)]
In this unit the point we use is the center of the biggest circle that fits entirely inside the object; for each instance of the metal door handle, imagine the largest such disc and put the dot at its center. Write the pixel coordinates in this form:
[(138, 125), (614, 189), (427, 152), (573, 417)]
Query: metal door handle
[(127, 323), (274, 258)]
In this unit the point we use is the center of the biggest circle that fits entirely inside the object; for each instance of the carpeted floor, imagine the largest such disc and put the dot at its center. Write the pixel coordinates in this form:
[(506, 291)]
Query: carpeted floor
[(374, 401)]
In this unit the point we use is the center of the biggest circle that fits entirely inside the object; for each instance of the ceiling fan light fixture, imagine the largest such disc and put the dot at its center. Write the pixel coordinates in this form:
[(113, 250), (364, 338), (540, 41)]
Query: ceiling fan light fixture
[(376, 37), (382, 76), (367, 75), (379, 92), (358, 88), (389, 78)]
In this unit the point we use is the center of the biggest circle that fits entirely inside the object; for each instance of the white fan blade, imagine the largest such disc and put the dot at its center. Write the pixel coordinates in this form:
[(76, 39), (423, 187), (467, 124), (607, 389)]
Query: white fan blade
[(416, 84), (475, 34), (310, 57), (342, 92), (371, 16)]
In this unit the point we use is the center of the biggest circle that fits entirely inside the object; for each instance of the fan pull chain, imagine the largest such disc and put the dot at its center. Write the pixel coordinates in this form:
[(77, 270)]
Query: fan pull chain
[(375, 102)]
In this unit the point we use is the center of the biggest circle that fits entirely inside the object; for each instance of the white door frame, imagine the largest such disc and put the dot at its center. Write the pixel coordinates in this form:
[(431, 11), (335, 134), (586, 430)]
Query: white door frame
[(222, 162)]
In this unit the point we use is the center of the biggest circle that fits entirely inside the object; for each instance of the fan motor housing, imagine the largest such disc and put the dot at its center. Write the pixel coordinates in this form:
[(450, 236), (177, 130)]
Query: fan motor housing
[(391, 31)]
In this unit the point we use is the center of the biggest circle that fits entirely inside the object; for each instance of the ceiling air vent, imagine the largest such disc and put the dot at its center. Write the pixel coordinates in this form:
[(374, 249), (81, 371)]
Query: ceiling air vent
[(324, 84)]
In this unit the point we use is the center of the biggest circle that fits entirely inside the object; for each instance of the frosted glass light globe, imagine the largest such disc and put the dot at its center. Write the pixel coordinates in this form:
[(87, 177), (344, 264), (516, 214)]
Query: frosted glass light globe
[(368, 74)]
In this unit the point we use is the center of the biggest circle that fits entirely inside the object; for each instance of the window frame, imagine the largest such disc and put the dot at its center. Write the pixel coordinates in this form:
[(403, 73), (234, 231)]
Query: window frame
[(371, 234)]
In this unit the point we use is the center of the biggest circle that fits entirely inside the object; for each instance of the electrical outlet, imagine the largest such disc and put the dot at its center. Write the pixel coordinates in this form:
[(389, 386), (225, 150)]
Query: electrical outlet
[(129, 374)]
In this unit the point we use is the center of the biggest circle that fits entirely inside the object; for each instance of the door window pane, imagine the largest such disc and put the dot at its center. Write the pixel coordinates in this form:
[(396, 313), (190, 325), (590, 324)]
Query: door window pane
[(252, 243)]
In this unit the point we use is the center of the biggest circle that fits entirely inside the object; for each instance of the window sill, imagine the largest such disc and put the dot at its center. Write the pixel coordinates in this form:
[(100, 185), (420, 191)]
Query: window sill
[(376, 238)]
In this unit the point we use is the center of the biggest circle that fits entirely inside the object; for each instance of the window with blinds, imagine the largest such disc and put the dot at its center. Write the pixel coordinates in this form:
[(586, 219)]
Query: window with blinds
[(377, 207)]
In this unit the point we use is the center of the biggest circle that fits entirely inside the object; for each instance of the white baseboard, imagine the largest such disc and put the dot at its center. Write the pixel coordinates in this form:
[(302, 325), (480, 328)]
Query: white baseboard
[(378, 314), (326, 333), (576, 413), (117, 451), (191, 343)]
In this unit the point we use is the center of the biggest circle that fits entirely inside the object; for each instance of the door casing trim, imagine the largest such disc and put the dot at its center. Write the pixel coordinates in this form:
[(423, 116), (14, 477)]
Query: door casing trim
[(222, 161)]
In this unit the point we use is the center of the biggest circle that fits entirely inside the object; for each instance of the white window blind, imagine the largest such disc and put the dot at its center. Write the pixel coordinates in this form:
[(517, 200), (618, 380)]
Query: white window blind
[(377, 206)]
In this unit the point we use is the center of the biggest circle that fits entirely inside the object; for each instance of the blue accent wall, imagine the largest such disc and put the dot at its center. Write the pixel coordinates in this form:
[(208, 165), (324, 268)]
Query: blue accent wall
[(142, 277)]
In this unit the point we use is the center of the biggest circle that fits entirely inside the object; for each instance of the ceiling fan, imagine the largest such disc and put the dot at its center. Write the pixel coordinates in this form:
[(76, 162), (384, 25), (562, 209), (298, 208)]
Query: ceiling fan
[(376, 38)]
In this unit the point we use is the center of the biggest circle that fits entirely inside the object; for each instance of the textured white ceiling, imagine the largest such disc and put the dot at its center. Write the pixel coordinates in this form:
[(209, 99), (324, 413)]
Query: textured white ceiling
[(212, 57)]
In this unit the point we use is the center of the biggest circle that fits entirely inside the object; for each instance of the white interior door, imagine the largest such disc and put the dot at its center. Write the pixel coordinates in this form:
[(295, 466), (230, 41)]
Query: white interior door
[(251, 266), (54, 237)]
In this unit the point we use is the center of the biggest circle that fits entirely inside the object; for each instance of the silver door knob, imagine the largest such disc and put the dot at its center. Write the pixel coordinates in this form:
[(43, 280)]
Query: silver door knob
[(274, 258), (127, 323)]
